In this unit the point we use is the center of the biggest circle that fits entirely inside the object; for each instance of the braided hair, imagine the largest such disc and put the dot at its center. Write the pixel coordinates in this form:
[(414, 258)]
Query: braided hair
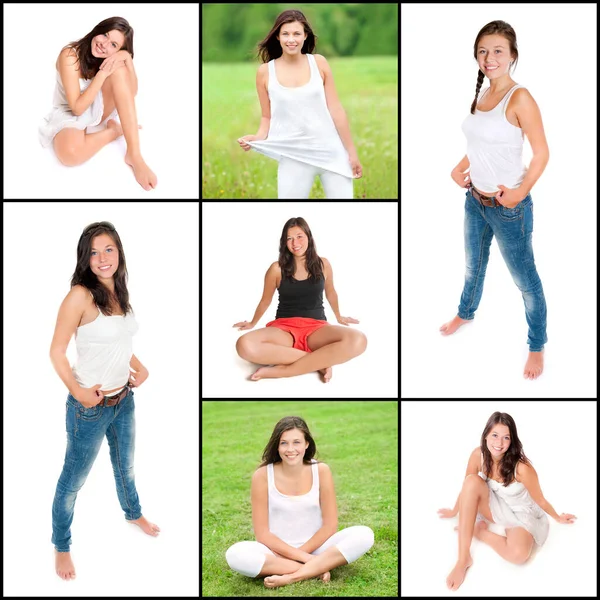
[(494, 28)]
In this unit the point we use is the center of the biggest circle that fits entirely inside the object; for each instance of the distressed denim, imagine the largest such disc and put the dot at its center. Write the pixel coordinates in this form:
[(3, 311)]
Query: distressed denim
[(513, 228), (86, 428)]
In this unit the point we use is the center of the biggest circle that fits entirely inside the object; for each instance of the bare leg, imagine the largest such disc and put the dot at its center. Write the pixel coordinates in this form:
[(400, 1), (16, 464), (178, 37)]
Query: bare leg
[(274, 354), (125, 103), (329, 355), (330, 559), (497, 542)]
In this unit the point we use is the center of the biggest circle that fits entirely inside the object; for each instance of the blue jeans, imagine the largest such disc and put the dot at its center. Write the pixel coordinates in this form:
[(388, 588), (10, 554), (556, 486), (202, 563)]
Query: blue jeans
[(86, 428), (513, 228)]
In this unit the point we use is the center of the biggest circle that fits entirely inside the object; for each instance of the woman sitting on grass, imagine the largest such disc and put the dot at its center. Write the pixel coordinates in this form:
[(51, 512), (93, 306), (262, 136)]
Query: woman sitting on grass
[(294, 515)]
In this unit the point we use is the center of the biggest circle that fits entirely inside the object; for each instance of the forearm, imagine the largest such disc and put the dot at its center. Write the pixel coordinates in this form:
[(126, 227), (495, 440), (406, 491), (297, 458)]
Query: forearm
[(260, 311), (132, 75), (463, 165), (263, 130), (135, 363), (547, 508), (85, 100), (62, 367), (536, 168), (276, 544), (317, 540), (341, 124), (333, 302)]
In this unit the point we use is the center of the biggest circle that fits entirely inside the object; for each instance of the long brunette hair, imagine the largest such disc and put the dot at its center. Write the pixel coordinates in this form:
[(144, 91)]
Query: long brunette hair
[(270, 47), (313, 263), (511, 457), (271, 452), (506, 31), (83, 274), (89, 65)]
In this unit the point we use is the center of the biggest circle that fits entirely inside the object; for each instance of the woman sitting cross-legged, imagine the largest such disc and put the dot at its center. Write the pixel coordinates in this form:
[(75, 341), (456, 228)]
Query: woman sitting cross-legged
[(294, 515)]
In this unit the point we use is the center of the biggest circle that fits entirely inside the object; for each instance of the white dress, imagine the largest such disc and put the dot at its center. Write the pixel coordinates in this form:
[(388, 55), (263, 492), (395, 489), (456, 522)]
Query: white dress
[(301, 125), (512, 506), (61, 115)]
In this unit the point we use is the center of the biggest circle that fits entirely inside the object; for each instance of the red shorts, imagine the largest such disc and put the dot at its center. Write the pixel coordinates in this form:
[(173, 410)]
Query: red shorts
[(300, 328)]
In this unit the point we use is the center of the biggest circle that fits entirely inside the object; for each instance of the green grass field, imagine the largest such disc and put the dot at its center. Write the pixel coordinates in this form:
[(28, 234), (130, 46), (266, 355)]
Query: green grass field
[(358, 440), (368, 90)]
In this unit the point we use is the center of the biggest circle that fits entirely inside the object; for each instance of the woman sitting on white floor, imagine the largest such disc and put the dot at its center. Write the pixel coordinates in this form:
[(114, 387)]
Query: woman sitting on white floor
[(294, 514)]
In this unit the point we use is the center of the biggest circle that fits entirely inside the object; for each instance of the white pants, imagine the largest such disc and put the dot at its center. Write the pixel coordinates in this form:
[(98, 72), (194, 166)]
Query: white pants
[(248, 558), (295, 180)]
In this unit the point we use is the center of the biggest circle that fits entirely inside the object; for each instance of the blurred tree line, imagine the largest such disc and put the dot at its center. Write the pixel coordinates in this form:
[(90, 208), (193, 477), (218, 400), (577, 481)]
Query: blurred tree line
[(231, 32)]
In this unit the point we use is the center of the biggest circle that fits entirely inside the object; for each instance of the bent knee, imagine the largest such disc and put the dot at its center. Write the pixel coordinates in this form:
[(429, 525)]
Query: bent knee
[(245, 348), (473, 482), (68, 155), (520, 555), (358, 342)]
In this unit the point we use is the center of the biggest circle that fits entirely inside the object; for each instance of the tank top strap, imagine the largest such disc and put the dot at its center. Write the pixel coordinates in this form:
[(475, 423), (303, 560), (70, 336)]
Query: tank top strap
[(315, 473), (270, 476)]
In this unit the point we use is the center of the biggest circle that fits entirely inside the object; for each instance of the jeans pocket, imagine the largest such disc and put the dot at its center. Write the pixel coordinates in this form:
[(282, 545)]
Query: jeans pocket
[(90, 414), (509, 215)]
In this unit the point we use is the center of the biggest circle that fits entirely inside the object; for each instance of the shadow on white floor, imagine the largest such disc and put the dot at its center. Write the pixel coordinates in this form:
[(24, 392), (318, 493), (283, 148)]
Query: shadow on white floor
[(33, 172), (226, 375)]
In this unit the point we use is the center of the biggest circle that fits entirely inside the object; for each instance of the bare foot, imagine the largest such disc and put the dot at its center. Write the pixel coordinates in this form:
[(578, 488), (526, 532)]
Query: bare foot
[(452, 326), (143, 174), (64, 565), (268, 373), (457, 575), (146, 526), (277, 581), (327, 373), (534, 365)]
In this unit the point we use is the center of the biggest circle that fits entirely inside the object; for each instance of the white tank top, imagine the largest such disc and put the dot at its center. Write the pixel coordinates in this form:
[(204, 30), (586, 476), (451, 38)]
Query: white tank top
[(301, 125), (294, 519), (104, 349), (494, 148)]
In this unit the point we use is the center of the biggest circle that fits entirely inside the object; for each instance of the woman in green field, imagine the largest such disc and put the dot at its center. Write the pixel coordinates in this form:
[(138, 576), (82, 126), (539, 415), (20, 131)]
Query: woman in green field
[(303, 125), (294, 515)]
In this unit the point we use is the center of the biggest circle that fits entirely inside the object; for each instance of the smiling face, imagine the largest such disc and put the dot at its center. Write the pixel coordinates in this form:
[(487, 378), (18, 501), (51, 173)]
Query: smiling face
[(498, 440), (107, 44), (292, 446), (104, 258), (292, 37), (493, 52), (297, 242)]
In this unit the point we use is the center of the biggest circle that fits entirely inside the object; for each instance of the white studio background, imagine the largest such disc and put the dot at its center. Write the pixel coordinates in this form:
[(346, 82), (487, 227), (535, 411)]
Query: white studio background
[(437, 438), (111, 557), (166, 58), (240, 241), (558, 65)]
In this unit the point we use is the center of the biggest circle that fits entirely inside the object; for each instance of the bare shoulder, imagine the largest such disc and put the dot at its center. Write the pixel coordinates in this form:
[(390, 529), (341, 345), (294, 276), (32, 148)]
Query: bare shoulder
[(80, 293), (260, 474), (524, 469), (326, 265), (324, 468)]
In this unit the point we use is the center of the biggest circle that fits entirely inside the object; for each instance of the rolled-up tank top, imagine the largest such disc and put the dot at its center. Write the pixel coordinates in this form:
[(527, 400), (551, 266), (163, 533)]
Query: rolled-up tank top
[(104, 350), (494, 147), (301, 298)]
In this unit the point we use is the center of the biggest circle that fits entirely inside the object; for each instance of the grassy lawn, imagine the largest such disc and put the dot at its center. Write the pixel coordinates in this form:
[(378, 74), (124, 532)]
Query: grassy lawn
[(368, 90), (358, 440)]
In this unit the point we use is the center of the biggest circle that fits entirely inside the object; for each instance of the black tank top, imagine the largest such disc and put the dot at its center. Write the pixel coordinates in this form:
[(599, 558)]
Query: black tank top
[(301, 298)]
